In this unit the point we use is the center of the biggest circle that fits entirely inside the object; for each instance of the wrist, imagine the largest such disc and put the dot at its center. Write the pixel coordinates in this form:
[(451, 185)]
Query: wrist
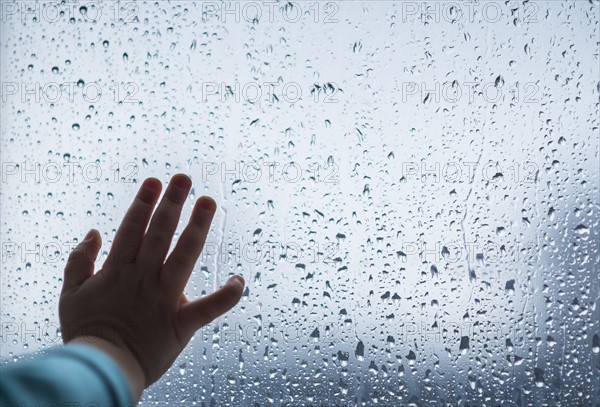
[(126, 361)]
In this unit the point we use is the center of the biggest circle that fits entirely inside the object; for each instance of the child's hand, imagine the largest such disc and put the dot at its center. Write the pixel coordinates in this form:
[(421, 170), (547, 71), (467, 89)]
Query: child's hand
[(136, 300)]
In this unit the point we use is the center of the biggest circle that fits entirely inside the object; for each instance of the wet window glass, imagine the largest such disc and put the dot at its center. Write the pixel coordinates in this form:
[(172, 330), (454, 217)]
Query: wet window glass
[(410, 189)]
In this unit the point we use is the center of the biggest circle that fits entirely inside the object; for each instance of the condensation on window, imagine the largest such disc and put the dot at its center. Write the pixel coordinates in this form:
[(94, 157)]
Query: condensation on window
[(410, 189)]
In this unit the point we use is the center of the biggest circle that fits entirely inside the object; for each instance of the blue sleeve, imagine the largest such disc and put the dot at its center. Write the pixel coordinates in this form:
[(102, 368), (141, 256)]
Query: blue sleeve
[(71, 375)]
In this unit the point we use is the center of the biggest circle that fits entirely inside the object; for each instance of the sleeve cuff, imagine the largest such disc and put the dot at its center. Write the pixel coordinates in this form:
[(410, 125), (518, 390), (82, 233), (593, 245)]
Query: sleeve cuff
[(106, 368)]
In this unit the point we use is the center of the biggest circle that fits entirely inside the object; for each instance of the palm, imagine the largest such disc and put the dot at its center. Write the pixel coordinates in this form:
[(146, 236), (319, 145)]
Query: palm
[(136, 299)]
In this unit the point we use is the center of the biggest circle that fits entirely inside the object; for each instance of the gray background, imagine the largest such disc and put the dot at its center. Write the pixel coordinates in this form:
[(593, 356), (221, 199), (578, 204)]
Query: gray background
[(409, 189)]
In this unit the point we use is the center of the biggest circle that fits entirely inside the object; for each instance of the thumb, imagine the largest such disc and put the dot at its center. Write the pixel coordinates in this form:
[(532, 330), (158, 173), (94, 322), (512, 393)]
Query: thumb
[(195, 314), (80, 265)]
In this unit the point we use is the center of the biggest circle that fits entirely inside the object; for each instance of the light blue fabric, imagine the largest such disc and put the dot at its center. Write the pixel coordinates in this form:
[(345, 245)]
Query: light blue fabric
[(71, 375)]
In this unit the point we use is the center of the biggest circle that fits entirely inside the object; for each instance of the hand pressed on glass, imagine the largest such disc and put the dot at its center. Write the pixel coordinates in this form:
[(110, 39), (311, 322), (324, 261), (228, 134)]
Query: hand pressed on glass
[(134, 307)]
